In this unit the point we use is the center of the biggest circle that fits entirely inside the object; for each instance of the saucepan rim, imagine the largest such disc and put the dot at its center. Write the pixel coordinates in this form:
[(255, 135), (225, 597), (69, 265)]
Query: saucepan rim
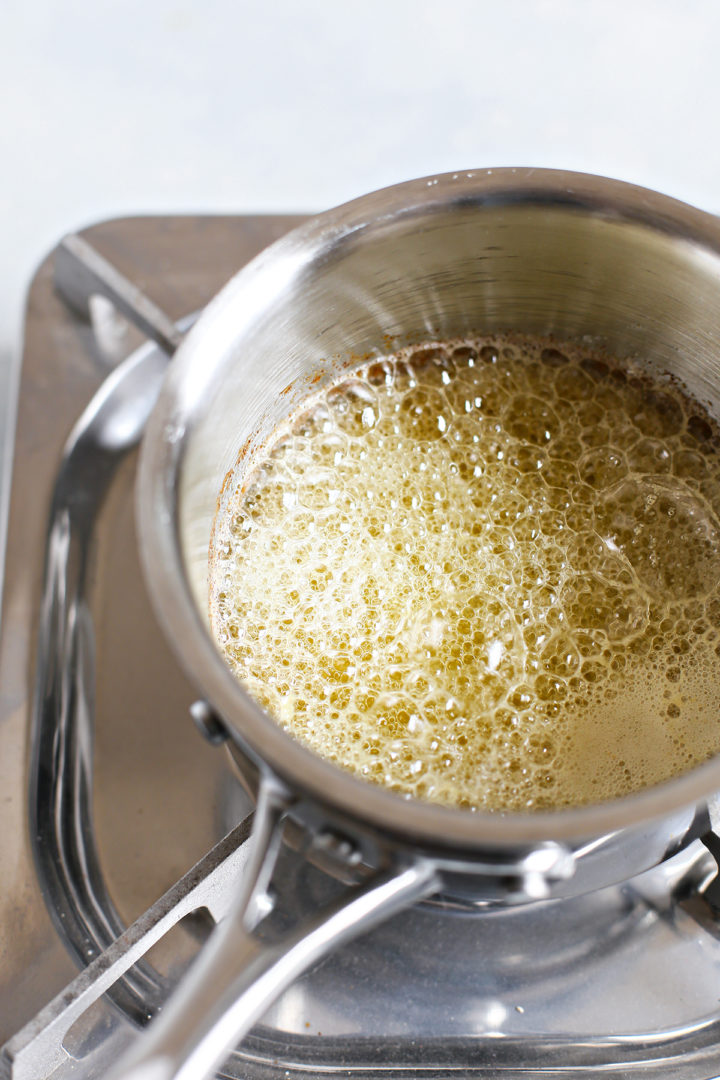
[(256, 733)]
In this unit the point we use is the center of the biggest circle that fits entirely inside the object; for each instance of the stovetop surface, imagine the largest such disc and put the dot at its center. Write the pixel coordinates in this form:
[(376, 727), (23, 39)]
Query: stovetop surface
[(626, 981), (147, 756)]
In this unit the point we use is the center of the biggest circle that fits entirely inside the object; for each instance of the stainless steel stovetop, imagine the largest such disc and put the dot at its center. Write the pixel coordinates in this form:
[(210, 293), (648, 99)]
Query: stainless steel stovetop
[(115, 814)]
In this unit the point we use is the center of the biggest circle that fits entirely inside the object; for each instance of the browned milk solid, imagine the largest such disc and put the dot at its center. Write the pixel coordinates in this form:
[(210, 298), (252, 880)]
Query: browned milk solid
[(484, 573)]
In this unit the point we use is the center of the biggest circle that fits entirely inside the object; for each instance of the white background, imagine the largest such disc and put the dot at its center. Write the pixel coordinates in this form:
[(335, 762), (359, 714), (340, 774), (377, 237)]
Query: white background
[(112, 107)]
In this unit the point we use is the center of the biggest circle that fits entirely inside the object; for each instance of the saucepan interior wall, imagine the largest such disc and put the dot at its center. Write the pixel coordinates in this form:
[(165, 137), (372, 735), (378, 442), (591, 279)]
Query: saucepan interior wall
[(313, 306)]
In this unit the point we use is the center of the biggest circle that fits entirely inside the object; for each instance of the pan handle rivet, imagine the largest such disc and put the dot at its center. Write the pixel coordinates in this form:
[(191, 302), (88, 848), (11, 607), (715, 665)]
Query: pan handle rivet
[(208, 723), (338, 847)]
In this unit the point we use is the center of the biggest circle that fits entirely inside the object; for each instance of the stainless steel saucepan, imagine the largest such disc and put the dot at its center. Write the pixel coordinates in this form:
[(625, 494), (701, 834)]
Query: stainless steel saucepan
[(539, 252)]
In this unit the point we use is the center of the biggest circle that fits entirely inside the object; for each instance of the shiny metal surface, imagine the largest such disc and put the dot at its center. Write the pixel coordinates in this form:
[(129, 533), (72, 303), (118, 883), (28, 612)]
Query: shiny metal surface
[(239, 975), (551, 253), (145, 830), (82, 274), (623, 980), (61, 816), (38, 1050)]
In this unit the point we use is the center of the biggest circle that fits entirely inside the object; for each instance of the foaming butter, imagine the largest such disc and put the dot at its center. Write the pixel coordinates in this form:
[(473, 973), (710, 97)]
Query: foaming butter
[(484, 573)]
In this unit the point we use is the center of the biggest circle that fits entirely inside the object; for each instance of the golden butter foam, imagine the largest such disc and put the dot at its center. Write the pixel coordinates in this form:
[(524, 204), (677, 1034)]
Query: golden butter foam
[(484, 573)]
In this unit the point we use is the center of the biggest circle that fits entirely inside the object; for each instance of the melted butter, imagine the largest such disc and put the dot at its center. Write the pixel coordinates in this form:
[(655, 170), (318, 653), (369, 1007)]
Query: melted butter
[(484, 573)]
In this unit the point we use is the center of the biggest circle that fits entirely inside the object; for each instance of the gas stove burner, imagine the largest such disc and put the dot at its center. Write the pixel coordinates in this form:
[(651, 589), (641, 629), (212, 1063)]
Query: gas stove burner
[(127, 804)]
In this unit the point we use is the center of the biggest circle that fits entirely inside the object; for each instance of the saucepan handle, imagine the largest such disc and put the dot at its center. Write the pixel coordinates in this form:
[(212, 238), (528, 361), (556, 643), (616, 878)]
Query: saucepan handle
[(237, 977)]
